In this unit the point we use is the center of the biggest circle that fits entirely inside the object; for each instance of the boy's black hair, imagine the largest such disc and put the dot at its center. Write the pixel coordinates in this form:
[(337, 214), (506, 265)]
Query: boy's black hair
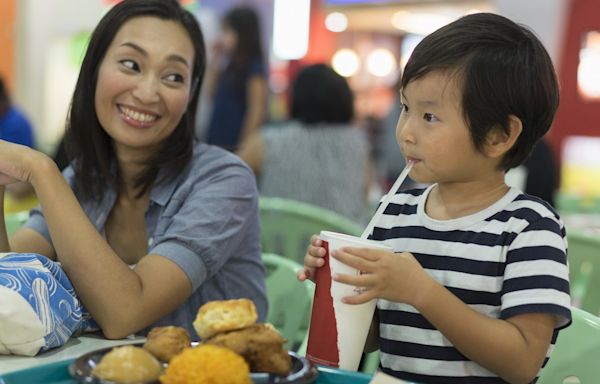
[(503, 70), (320, 95), (85, 139)]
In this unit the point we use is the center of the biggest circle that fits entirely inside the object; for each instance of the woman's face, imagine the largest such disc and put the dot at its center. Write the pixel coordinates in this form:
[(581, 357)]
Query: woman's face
[(144, 84)]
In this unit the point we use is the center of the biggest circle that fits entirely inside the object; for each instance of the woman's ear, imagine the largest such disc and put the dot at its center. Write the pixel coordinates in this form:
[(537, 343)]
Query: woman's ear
[(499, 141)]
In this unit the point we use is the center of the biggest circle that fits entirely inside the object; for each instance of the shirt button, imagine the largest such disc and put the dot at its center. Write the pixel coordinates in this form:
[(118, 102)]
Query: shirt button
[(150, 241)]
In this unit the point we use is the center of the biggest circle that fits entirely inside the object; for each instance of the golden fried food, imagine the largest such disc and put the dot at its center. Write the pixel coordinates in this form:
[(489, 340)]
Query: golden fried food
[(166, 342), (128, 364), (224, 315), (260, 344), (207, 364)]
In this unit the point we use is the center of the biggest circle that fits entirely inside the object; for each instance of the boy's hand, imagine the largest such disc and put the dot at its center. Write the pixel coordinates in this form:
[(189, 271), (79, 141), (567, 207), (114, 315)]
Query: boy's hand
[(313, 259), (392, 276)]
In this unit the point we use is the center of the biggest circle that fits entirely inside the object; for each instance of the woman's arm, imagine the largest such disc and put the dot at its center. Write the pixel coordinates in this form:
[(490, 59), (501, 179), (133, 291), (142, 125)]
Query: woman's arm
[(122, 300)]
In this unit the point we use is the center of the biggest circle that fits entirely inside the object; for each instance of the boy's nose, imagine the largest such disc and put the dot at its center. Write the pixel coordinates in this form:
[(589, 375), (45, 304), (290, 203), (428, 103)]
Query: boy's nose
[(404, 130), (146, 90)]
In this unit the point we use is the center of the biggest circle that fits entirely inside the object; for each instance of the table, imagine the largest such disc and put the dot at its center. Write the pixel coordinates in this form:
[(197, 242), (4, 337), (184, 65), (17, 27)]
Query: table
[(73, 348)]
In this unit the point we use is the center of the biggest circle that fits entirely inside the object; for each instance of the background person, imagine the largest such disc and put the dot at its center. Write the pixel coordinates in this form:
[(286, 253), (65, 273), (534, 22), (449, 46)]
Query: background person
[(236, 81), (318, 157)]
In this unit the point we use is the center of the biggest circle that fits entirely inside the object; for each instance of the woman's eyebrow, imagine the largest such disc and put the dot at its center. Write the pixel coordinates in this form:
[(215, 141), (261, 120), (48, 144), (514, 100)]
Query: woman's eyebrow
[(142, 51)]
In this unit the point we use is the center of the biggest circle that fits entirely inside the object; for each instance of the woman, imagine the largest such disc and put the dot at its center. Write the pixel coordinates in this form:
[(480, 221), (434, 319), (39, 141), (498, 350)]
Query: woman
[(318, 154), (239, 88), (147, 223)]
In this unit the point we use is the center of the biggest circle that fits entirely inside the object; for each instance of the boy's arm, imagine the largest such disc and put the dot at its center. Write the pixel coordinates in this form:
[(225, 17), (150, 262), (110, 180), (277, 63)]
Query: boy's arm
[(514, 349)]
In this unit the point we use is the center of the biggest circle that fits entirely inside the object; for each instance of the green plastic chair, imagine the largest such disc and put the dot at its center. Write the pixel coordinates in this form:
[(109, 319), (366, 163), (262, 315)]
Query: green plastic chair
[(584, 270), (575, 356), (15, 221), (290, 301), (287, 226)]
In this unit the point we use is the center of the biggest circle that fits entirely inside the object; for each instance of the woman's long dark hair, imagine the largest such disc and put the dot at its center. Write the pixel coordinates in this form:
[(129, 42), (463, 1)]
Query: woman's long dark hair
[(88, 145)]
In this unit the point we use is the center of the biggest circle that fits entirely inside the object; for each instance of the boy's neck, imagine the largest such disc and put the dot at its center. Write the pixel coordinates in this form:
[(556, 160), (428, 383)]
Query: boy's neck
[(448, 201)]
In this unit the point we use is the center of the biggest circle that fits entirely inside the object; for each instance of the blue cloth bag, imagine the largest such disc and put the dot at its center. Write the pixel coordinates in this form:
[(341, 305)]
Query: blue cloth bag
[(39, 308)]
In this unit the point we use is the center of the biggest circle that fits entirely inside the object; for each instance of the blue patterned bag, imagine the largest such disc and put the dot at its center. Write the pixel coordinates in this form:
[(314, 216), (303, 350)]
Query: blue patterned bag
[(39, 308)]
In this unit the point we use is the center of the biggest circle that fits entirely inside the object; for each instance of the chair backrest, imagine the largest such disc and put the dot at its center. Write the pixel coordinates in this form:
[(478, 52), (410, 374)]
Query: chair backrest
[(290, 301), (584, 270), (575, 356), (287, 226), (15, 220)]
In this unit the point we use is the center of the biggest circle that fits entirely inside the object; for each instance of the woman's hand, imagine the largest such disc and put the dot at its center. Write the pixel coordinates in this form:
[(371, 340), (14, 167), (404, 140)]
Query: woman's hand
[(15, 162), (392, 276), (313, 259)]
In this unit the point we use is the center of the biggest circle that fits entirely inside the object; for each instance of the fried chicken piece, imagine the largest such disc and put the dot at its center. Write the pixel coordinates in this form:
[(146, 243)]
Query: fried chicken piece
[(260, 344), (166, 342)]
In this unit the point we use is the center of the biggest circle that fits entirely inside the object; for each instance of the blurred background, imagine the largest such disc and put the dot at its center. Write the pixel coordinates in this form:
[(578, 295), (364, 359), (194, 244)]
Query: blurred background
[(366, 41)]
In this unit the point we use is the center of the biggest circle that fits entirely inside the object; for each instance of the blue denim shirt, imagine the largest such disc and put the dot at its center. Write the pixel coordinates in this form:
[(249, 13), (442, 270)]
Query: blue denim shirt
[(206, 221)]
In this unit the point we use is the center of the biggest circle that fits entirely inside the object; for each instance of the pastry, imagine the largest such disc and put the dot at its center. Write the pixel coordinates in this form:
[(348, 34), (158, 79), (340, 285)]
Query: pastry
[(166, 342), (225, 315), (128, 364)]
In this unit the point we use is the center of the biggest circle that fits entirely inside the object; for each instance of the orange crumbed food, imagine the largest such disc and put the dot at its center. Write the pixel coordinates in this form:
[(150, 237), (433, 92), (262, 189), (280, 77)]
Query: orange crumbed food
[(207, 364)]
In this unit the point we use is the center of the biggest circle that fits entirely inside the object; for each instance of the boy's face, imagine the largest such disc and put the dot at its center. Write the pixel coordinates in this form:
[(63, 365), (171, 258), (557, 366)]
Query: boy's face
[(432, 132)]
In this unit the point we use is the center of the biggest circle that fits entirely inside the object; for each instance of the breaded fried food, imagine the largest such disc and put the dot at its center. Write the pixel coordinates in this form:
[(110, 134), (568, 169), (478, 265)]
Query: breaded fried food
[(224, 315), (207, 364), (128, 364), (166, 342), (260, 344)]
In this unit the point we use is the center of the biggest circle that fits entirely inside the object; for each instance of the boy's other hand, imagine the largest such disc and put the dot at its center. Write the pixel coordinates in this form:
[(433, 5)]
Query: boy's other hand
[(313, 259)]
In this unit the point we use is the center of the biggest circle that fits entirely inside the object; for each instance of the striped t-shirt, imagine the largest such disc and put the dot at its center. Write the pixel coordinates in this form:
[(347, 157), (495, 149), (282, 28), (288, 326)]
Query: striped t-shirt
[(506, 260)]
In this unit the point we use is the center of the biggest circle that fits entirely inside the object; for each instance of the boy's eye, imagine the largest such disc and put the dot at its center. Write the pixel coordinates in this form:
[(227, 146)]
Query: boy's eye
[(175, 77), (130, 64), (430, 117), (404, 107)]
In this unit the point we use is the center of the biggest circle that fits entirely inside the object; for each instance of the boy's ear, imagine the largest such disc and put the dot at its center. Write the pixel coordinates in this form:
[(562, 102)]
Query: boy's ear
[(499, 141)]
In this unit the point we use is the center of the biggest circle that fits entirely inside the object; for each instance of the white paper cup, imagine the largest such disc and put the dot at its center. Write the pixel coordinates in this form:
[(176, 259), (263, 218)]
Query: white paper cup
[(338, 331)]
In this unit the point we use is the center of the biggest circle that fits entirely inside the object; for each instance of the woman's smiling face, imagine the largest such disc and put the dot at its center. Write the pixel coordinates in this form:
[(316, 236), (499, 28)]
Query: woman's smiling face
[(144, 82)]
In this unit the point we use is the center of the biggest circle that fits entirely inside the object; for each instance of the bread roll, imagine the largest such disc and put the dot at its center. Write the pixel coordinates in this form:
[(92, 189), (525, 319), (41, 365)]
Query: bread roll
[(226, 315)]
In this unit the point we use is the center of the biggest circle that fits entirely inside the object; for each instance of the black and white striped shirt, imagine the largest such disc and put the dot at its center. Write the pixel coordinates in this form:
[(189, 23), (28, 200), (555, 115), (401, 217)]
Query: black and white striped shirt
[(506, 260)]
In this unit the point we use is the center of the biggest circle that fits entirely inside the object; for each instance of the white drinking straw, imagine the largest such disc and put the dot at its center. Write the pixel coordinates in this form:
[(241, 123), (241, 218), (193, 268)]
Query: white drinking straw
[(386, 199)]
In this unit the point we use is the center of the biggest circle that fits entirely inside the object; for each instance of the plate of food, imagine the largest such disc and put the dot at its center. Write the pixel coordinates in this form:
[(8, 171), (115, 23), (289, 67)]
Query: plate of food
[(235, 351), (302, 371)]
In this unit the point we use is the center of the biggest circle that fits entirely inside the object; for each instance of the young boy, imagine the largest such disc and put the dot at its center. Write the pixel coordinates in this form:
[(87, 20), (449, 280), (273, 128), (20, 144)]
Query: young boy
[(478, 287)]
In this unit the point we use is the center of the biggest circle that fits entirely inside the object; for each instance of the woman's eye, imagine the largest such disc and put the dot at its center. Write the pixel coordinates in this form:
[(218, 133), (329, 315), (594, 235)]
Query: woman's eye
[(130, 64), (404, 107), (430, 117)]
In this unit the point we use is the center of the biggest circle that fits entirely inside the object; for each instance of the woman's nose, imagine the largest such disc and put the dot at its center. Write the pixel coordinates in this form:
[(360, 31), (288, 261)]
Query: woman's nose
[(146, 91)]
